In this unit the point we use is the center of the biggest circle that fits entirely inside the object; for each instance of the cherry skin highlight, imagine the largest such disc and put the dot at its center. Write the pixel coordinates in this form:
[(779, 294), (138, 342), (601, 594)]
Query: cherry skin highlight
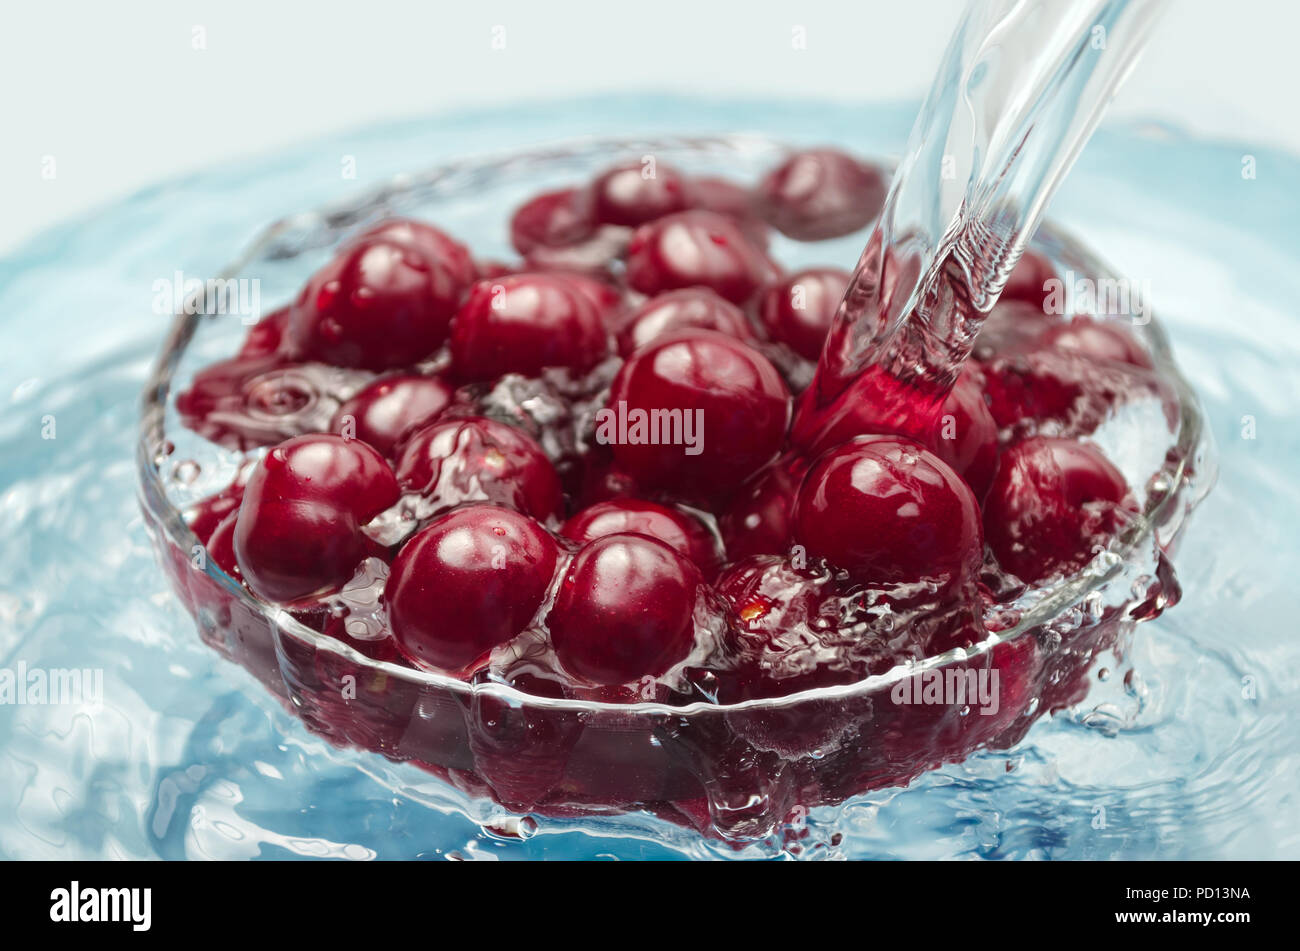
[(469, 581), (887, 510), (386, 410), (636, 192), (696, 248), (476, 459), (1052, 504), (691, 308), (453, 266), (298, 533), (552, 219), (524, 323), (624, 610), (683, 533), (733, 397), (798, 309)]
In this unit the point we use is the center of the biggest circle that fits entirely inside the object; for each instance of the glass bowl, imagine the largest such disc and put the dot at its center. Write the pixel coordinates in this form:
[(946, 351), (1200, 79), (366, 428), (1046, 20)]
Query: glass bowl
[(737, 772)]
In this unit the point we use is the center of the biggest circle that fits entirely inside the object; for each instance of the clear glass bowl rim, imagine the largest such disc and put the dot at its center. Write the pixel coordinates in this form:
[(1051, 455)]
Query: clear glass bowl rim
[(446, 180)]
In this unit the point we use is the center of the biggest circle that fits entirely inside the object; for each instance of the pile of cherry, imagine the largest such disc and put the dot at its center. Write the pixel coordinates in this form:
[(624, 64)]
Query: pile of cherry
[(442, 451)]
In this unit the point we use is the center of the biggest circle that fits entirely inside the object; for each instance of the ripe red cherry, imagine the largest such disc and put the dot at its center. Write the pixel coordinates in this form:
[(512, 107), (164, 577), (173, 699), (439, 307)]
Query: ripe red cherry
[(524, 323), (264, 337), (298, 533), (221, 547), (730, 393), (624, 610), (451, 260), (961, 430), (558, 229), (1054, 501), (1028, 280), (887, 510), (685, 309), (471, 580), (599, 289), (551, 219), (821, 193), (696, 249), (637, 192), (967, 436), (379, 303), (205, 515), (683, 533), (797, 310), (478, 460), (1103, 340), (391, 406), (758, 521)]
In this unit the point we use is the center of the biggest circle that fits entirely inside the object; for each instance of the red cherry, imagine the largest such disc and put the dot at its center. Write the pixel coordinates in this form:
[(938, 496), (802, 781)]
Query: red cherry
[(265, 336), (380, 303), (685, 309), (730, 394), (967, 437), (685, 534), (558, 230), (1028, 280), (624, 610), (471, 580), (1102, 340), (798, 309), (1054, 502), (887, 510), (696, 249), (601, 291), (602, 480), (821, 193), (478, 460), (221, 546), (524, 323), (1066, 393), (758, 522), (552, 219), (390, 407), (451, 259), (298, 533), (205, 515), (636, 192), (961, 430)]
